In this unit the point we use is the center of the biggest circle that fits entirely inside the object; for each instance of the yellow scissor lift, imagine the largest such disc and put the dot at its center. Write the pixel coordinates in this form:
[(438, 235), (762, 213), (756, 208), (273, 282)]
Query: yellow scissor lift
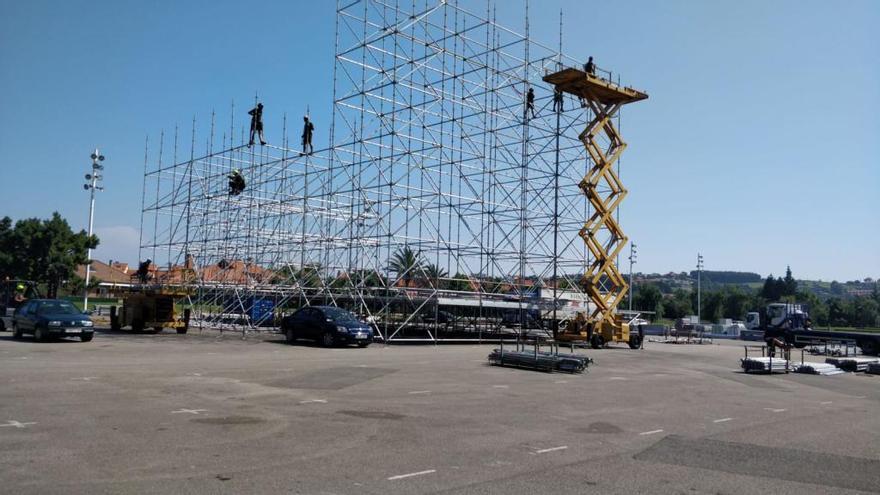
[(605, 285)]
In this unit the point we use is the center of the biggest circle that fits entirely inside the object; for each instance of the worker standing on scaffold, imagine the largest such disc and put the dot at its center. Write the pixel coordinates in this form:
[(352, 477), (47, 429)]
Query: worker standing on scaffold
[(557, 99), (256, 114), (590, 67), (308, 129), (530, 103)]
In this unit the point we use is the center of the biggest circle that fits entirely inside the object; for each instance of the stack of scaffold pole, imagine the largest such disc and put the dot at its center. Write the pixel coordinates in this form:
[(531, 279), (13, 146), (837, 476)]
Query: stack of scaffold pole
[(852, 363), (539, 360), (765, 364)]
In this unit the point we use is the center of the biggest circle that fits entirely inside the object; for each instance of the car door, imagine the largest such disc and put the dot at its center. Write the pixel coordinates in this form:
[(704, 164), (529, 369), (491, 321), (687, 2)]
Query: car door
[(24, 320), (315, 323)]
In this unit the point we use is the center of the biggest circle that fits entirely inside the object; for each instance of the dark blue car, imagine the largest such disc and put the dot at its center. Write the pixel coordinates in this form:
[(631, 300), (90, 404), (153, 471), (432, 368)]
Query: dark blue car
[(328, 325), (51, 318)]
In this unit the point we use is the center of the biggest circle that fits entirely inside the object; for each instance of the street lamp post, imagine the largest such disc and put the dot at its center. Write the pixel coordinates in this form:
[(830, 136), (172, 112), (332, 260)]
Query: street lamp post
[(632, 260), (699, 277), (92, 185)]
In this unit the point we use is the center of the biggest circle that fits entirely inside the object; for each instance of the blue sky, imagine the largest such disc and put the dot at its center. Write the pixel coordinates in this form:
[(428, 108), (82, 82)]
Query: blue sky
[(758, 147)]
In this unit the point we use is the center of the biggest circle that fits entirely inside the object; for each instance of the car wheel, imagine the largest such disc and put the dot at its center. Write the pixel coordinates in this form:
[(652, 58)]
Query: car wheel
[(289, 336), (86, 337), (363, 344), (328, 340), (157, 329), (137, 326), (39, 335), (16, 332), (2, 325), (182, 331), (596, 341)]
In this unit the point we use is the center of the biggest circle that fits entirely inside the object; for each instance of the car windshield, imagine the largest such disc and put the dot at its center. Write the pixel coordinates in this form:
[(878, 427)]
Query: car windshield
[(57, 308), (337, 314)]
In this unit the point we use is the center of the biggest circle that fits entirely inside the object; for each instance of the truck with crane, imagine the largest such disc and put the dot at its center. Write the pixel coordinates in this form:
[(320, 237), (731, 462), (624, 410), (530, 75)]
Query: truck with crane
[(791, 323)]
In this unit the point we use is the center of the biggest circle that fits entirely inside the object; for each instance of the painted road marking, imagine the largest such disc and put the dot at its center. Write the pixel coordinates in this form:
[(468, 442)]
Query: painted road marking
[(775, 410), (561, 381), (417, 392), (85, 378), (826, 402), (722, 420), (189, 411), (194, 374), (500, 386), (312, 401), (616, 378), (650, 432), (17, 424), (552, 449), (410, 475)]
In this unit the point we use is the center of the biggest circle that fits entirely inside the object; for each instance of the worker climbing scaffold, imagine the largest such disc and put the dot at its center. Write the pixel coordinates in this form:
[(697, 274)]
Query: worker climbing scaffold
[(604, 284)]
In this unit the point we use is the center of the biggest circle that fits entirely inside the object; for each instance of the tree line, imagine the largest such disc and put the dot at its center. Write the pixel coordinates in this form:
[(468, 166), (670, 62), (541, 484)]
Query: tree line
[(734, 302), (44, 251)]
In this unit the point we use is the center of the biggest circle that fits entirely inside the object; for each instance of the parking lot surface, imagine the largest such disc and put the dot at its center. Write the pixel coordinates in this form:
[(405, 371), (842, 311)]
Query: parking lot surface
[(212, 413)]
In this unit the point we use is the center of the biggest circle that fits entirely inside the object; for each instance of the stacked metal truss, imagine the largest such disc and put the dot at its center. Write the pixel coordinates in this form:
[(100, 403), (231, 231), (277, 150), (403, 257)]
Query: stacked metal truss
[(431, 150)]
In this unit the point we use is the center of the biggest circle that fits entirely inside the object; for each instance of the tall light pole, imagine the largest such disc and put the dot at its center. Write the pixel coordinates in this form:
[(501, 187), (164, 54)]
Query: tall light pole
[(699, 277), (92, 185), (632, 260)]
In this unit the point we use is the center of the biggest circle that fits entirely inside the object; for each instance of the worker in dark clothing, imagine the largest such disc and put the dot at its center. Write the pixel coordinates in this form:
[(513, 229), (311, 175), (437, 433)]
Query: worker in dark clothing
[(236, 183), (308, 129), (530, 102), (557, 100), (143, 272), (256, 114), (590, 67)]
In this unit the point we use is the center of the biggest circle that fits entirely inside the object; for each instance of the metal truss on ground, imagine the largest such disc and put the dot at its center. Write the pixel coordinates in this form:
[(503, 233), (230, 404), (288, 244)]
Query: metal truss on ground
[(440, 191)]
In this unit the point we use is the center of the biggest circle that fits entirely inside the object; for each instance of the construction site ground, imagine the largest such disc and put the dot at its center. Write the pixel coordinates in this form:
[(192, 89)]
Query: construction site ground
[(205, 413)]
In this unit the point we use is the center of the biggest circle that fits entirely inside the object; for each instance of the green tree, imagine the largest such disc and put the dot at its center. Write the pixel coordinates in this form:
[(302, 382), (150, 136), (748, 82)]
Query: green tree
[(45, 251), (434, 275), (712, 306), (790, 284), (649, 298), (736, 303), (678, 306), (406, 262)]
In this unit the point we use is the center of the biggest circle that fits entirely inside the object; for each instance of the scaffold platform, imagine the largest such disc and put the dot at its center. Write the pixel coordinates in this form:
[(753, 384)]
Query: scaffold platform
[(579, 83)]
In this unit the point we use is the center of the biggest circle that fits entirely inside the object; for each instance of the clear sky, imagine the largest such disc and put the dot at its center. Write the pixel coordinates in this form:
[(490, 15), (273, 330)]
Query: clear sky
[(759, 146)]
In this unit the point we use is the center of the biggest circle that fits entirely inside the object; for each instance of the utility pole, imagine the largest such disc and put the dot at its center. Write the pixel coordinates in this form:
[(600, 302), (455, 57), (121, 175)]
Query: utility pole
[(632, 260), (699, 277), (92, 186)]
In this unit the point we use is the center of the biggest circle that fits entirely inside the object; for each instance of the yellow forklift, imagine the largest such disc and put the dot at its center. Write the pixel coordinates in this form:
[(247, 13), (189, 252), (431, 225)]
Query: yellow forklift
[(150, 310)]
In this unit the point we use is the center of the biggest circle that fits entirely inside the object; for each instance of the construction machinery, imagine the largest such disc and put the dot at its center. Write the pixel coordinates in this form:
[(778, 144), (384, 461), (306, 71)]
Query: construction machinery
[(14, 293), (150, 309), (605, 285)]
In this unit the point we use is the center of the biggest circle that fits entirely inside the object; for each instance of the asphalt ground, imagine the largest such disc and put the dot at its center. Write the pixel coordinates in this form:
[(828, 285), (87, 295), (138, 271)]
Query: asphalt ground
[(205, 413)]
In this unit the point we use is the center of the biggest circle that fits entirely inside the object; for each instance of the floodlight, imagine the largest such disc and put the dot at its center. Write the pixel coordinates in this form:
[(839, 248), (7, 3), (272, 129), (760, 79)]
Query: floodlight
[(86, 187), (101, 158), (94, 156), (88, 176)]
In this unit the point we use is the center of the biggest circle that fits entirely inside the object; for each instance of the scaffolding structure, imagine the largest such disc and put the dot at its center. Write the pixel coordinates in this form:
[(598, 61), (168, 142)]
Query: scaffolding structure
[(438, 193)]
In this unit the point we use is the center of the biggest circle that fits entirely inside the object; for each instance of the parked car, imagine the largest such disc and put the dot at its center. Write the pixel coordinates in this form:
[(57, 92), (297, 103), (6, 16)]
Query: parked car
[(328, 325), (51, 318)]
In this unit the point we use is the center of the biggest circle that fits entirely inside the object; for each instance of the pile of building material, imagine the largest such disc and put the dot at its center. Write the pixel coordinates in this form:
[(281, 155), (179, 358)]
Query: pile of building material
[(764, 364), (823, 369), (543, 361), (852, 363), (873, 368)]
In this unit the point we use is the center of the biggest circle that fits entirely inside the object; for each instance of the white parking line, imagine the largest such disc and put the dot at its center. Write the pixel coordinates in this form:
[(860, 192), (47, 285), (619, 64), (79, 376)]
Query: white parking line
[(561, 381), (775, 410), (319, 401), (410, 475), (552, 449), (500, 386), (417, 392), (650, 432), (826, 402), (722, 420), (189, 411), (616, 378), (17, 424)]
